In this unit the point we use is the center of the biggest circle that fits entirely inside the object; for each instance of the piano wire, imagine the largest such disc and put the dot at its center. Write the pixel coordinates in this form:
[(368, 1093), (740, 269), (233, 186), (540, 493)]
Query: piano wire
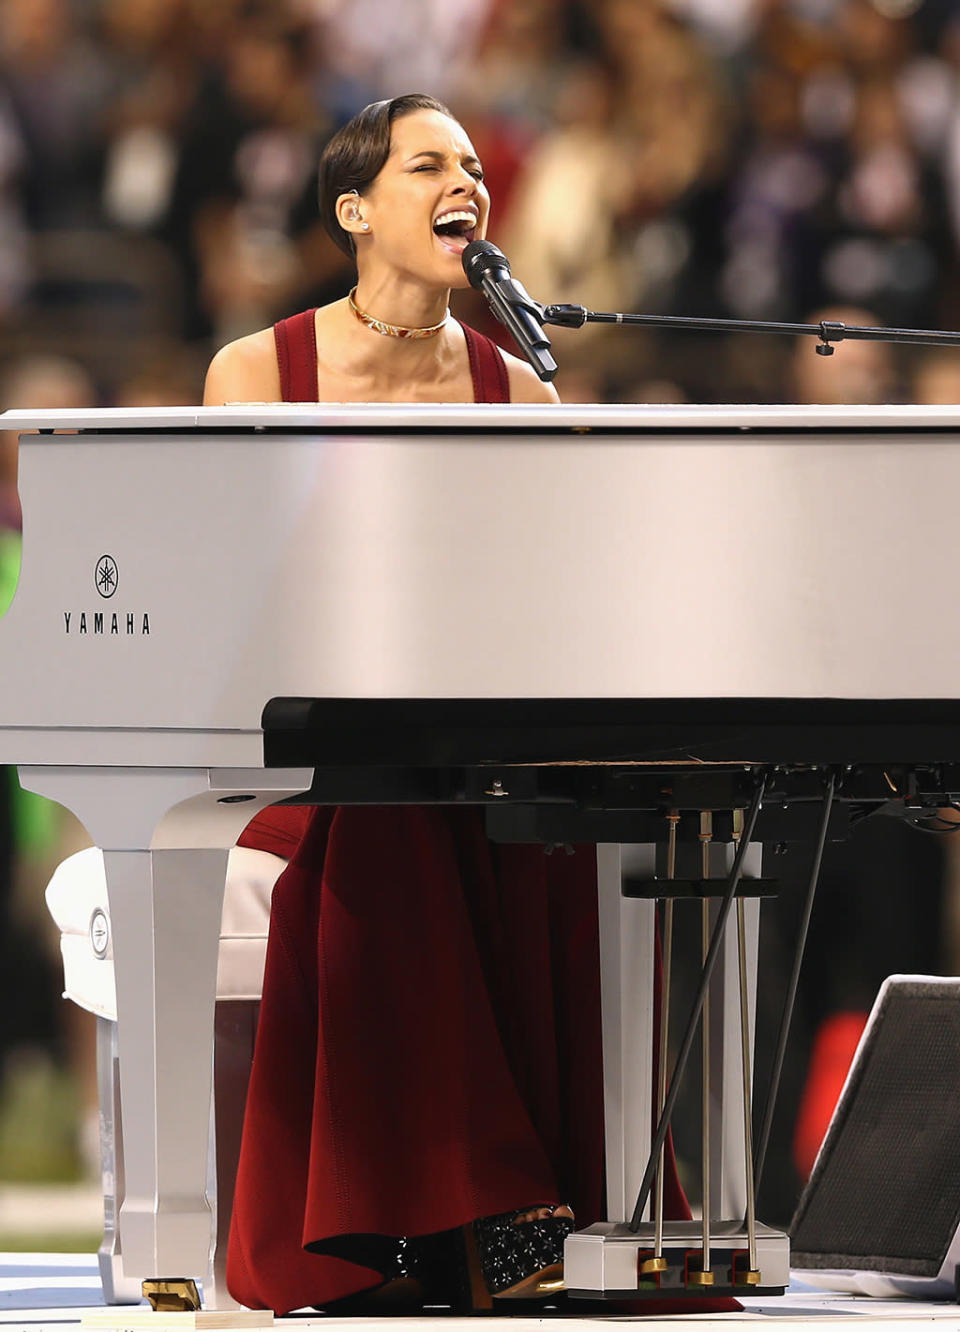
[(747, 1091), (659, 1138), (787, 1016), (673, 818), (706, 836)]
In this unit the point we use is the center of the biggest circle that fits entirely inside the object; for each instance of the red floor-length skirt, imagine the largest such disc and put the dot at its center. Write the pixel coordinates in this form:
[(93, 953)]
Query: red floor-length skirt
[(429, 1044)]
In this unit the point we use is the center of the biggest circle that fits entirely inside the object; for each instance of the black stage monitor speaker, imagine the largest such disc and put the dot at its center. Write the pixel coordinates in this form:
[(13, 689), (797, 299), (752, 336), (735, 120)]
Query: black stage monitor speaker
[(880, 1214)]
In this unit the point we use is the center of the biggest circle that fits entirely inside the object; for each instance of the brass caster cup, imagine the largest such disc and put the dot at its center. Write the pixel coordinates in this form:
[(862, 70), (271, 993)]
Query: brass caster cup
[(652, 1265), (751, 1278), (172, 1295), (699, 1278)]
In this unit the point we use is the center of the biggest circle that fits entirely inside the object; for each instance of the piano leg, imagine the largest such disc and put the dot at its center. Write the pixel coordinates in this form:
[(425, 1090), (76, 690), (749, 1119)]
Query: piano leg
[(236, 1025), (117, 1289), (627, 1007), (165, 910), (165, 836)]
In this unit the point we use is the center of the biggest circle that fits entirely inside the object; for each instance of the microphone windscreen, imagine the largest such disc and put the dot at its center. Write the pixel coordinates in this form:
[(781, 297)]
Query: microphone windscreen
[(482, 257)]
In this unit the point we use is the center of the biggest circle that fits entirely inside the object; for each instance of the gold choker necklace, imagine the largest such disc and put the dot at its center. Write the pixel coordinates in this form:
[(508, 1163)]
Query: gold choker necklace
[(394, 330)]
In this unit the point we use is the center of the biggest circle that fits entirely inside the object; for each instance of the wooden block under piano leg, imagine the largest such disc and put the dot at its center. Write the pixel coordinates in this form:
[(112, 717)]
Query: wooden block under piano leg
[(140, 1319)]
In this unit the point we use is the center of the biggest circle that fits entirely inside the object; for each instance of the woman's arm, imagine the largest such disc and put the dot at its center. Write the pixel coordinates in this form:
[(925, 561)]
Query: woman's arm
[(244, 371), (525, 384)]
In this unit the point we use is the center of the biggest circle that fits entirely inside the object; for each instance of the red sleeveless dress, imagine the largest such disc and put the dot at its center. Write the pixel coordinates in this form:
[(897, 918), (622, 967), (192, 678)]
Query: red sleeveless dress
[(429, 1042)]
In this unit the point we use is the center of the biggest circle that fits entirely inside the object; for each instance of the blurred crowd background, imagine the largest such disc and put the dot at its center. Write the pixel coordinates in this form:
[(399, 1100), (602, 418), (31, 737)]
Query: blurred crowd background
[(764, 159), (748, 158)]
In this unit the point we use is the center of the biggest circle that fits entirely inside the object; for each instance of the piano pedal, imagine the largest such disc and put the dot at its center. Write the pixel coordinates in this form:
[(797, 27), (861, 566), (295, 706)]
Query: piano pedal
[(695, 1275), (649, 1269), (741, 1273), (608, 1261)]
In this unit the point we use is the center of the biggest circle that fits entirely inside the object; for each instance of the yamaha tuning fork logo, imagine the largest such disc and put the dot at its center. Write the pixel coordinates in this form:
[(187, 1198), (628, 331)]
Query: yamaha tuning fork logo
[(103, 623), (107, 576)]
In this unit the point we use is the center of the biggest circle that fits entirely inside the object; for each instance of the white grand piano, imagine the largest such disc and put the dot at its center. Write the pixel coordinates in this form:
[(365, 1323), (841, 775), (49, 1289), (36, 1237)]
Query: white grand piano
[(224, 607)]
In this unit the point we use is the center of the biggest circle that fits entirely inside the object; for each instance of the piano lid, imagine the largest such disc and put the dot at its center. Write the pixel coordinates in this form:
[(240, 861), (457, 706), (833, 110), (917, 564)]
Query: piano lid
[(469, 416)]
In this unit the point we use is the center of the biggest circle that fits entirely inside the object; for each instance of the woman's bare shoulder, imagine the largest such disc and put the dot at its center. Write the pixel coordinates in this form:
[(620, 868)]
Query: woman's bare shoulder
[(244, 371), (525, 384)]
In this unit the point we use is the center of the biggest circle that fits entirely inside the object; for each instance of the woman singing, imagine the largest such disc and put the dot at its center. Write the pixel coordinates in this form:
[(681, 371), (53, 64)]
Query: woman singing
[(427, 1073), (401, 190)]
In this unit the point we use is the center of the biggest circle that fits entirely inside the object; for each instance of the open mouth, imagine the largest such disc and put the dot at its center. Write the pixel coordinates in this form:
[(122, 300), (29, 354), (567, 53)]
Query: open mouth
[(455, 230)]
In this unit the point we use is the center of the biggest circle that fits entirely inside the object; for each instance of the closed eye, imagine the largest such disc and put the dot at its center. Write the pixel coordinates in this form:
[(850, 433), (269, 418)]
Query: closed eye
[(432, 166)]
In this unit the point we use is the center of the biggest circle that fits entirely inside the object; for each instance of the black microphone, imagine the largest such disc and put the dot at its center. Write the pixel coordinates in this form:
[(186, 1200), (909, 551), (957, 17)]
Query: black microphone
[(489, 271)]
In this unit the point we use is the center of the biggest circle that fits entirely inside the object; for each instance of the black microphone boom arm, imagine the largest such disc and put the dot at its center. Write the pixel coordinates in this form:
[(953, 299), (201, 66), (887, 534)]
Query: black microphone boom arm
[(828, 331)]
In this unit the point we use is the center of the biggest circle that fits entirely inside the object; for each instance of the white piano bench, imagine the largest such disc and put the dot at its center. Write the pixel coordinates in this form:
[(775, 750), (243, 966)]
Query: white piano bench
[(77, 901)]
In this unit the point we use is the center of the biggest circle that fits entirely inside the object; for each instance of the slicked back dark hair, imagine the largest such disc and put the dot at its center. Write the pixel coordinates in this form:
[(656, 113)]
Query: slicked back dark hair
[(355, 155)]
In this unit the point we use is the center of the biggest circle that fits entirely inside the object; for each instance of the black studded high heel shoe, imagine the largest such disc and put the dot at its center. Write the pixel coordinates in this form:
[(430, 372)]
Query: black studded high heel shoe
[(397, 1260), (509, 1259)]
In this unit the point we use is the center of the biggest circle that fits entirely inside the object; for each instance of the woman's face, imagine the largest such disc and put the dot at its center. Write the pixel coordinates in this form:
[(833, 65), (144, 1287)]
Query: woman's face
[(428, 202)]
